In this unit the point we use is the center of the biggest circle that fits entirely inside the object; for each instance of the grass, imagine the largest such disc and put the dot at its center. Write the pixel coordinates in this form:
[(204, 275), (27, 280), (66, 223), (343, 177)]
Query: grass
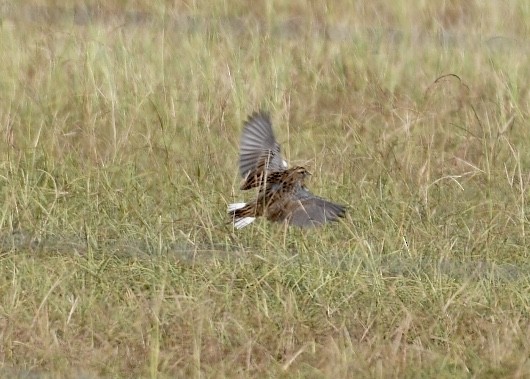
[(120, 127)]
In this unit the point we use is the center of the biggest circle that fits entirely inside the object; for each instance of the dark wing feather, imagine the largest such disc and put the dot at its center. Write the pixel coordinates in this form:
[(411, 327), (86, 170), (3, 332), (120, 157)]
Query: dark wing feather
[(258, 146), (307, 210)]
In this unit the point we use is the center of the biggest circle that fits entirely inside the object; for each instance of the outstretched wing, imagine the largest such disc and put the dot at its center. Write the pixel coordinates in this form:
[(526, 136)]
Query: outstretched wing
[(307, 210), (259, 149)]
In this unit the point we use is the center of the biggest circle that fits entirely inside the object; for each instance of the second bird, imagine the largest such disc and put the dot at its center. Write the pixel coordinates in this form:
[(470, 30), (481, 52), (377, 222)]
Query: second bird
[(282, 194)]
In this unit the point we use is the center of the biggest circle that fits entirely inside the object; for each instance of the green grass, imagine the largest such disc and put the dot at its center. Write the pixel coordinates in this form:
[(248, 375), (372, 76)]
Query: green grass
[(119, 139)]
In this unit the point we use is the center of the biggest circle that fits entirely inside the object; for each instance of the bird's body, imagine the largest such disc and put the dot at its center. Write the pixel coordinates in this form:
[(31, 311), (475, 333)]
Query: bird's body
[(282, 195)]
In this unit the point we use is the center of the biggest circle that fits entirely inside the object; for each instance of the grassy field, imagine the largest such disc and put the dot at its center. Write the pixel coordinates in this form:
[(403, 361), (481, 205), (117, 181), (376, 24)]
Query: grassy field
[(120, 125)]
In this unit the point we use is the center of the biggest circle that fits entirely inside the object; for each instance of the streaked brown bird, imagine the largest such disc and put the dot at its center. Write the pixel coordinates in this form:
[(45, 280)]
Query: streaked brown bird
[(282, 194)]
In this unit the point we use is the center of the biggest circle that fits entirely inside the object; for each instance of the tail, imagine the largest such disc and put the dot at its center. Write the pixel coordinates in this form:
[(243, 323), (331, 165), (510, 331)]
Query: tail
[(238, 220)]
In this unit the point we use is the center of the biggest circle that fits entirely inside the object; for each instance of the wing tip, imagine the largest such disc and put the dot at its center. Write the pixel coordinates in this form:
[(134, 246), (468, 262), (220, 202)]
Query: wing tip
[(328, 212), (263, 113), (259, 117)]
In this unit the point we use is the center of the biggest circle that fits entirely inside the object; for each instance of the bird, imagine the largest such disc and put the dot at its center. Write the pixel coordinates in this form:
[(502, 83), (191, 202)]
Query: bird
[(282, 193)]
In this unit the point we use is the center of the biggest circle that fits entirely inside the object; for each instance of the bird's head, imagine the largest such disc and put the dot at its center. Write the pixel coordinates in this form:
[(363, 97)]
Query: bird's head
[(301, 172)]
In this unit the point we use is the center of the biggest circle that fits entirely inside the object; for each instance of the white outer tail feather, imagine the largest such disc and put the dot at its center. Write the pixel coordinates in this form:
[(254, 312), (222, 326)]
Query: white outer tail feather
[(240, 222), (234, 206)]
